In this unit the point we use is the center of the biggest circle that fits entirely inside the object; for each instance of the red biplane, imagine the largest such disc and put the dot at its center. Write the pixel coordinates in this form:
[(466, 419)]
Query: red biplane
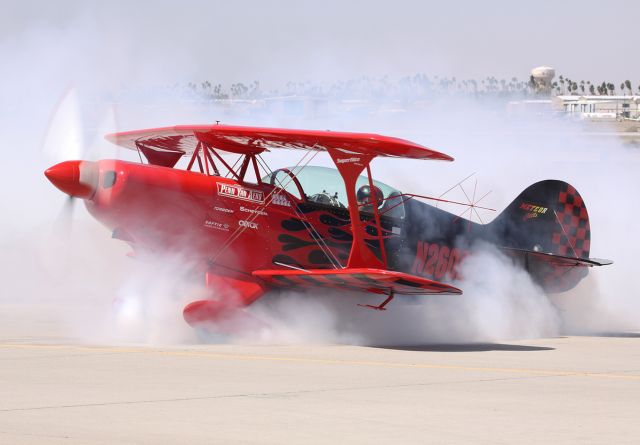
[(251, 229)]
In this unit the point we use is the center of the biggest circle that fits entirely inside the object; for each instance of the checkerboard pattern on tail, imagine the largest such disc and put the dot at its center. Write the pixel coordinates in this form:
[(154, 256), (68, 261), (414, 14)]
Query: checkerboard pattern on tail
[(573, 235)]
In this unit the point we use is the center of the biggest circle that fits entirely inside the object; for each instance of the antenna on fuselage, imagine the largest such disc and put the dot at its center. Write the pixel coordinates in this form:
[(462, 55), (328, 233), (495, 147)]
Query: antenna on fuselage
[(472, 202)]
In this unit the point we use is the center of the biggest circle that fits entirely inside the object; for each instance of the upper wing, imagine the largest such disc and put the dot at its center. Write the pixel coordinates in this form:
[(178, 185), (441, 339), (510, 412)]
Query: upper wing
[(254, 140), (376, 281)]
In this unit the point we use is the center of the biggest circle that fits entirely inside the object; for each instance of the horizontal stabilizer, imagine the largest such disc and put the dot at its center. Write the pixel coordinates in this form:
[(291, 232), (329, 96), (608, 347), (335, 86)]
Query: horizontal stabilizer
[(559, 260), (376, 281)]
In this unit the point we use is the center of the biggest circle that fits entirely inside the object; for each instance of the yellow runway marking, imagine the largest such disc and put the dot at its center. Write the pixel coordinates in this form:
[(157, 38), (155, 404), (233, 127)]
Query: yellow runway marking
[(267, 358)]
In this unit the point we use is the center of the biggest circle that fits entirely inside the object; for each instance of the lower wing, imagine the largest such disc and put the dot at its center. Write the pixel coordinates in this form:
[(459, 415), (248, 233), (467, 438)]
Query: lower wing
[(376, 281)]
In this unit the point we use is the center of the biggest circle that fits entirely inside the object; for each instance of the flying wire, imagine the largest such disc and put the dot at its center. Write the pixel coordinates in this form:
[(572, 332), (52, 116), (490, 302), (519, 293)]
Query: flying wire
[(239, 230), (313, 232)]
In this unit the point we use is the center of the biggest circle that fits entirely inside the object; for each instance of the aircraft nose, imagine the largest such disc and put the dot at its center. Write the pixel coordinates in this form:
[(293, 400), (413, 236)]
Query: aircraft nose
[(75, 178)]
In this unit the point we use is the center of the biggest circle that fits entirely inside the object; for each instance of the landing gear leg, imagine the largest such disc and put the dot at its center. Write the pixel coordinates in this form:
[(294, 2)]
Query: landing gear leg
[(381, 306)]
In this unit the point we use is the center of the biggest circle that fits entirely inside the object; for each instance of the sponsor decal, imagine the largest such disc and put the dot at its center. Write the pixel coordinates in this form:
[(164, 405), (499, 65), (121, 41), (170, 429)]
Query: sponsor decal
[(437, 260), (238, 192), (280, 200), (211, 224), (223, 210), (348, 160), (253, 211), (248, 224), (532, 210)]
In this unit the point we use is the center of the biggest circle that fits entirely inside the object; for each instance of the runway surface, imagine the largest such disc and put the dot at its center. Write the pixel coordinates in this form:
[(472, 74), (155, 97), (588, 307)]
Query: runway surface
[(559, 390)]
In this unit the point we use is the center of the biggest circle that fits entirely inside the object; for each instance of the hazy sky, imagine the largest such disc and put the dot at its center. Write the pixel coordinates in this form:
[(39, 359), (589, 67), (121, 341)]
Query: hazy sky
[(275, 41)]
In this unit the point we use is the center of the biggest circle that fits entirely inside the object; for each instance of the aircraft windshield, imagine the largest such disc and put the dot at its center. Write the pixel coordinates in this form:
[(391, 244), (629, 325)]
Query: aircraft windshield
[(325, 186)]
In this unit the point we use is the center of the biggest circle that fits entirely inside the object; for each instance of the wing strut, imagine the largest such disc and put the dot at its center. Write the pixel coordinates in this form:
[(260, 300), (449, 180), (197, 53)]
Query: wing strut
[(350, 165), (376, 215)]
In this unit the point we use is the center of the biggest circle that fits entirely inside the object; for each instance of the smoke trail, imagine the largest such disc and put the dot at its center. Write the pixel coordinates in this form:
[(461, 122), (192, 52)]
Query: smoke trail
[(500, 302), (82, 286)]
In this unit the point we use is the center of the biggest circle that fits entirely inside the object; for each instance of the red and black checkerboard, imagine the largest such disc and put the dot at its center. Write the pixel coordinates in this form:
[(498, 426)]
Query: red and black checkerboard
[(572, 236)]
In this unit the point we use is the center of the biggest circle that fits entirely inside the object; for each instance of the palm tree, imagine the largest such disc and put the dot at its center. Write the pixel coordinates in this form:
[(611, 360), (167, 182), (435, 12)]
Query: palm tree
[(622, 88), (612, 88), (532, 83), (592, 90), (628, 85)]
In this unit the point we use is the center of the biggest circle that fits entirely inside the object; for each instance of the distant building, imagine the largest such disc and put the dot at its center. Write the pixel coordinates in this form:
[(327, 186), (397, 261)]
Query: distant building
[(618, 114), (535, 106), (599, 107)]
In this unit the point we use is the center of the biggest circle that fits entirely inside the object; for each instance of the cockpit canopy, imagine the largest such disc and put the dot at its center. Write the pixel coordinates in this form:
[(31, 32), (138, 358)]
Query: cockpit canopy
[(325, 186)]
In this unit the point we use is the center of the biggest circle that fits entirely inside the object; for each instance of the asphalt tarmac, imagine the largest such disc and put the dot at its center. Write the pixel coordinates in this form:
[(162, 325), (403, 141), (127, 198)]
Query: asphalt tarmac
[(556, 390)]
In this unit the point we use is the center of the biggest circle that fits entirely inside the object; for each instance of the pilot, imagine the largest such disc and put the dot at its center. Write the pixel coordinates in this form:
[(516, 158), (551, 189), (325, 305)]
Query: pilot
[(366, 200)]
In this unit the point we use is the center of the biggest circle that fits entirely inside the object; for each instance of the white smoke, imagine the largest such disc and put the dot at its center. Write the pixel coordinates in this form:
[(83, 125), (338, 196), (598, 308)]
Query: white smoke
[(80, 285), (500, 302), (147, 307)]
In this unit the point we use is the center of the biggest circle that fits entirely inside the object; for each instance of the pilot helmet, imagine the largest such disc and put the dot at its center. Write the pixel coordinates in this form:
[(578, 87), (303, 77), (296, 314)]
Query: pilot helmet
[(364, 195)]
